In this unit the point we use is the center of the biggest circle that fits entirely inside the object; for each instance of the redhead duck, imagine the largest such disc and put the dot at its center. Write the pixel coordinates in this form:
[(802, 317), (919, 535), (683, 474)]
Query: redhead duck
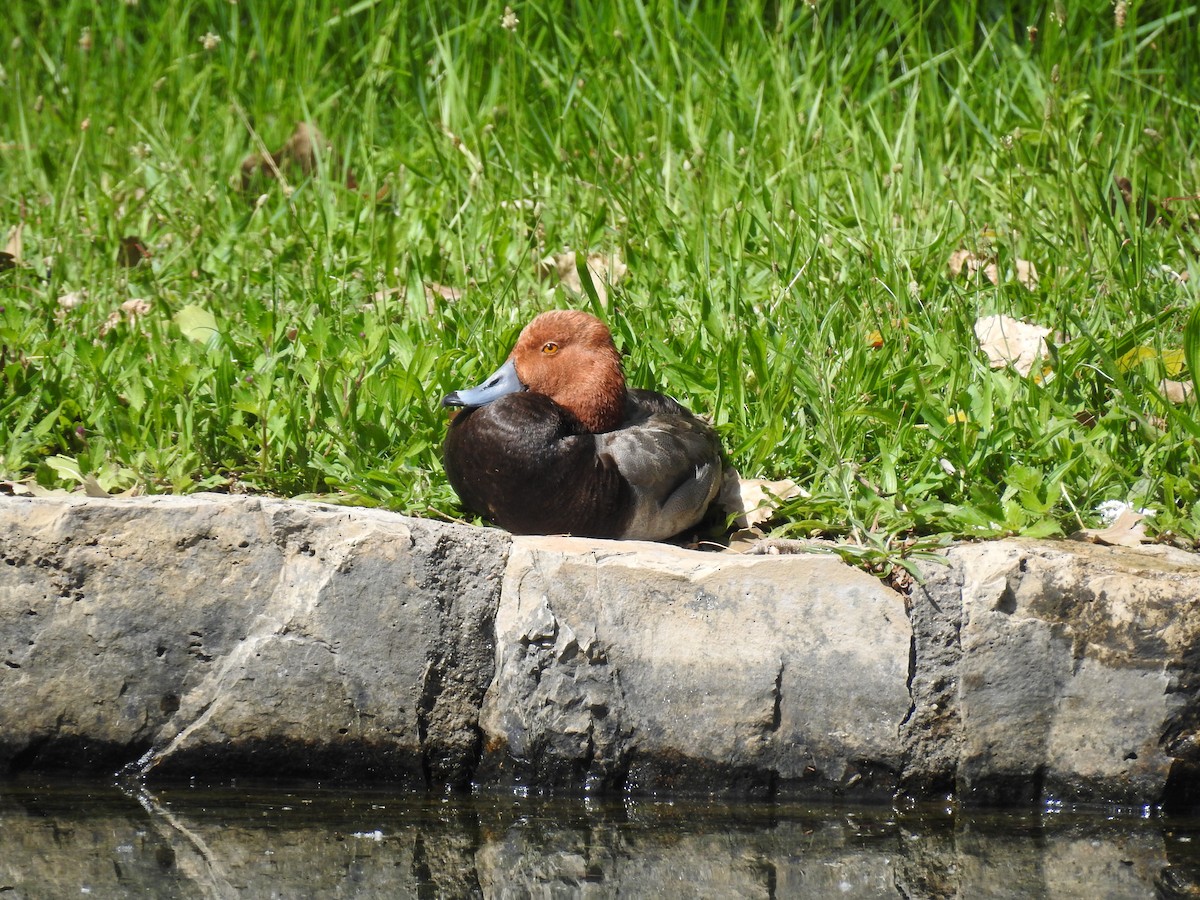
[(554, 443)]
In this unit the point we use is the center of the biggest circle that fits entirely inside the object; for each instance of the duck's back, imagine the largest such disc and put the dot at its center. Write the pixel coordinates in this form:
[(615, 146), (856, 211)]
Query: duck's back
[(671, 461)]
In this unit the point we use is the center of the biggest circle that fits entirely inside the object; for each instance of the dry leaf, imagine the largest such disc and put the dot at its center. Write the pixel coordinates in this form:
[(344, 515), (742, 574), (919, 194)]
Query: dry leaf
[(433, 290), (1128, 530), (12, 247), (30, 489), (386, 293), (961, 260), (965, 261), (299, 153), (1027, 274), (1007, 341), (72, 299), (113, 320), (255, 164), (744, 540), (788, 546), (132, 310), (754, 500), (88, 485), (606, 271), (1176, 391), (303, 147), (92, 488)]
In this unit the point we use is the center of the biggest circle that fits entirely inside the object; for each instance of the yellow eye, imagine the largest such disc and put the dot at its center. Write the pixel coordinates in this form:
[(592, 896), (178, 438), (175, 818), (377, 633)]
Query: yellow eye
[(550, 348)]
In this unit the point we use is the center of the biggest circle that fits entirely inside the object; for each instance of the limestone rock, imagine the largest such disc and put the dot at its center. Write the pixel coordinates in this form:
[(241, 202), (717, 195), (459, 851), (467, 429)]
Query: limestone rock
[(1057, 672), (226, 636), (220, 636), (653, 668)]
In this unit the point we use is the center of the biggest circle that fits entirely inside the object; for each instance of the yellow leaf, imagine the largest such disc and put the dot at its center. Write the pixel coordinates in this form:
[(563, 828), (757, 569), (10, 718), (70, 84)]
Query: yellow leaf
[(1045, 376), (1135, 357), (1174, 361)]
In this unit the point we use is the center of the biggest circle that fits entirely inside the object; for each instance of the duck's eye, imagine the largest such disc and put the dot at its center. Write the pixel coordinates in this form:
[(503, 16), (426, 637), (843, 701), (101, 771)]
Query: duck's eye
[(550, 348)]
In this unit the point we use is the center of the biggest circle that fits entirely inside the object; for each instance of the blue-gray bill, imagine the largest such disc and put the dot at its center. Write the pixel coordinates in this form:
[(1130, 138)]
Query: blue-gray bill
[(501, 382)]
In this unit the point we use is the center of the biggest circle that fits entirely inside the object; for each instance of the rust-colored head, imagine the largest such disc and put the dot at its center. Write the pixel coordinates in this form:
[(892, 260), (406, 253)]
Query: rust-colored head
[(569, 356)]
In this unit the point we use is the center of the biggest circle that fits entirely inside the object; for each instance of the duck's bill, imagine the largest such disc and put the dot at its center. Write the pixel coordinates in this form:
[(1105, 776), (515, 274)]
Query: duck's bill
[(503, 381)]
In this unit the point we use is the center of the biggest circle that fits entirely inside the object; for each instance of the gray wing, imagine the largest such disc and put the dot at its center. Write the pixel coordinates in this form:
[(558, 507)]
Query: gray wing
[(672, 461)]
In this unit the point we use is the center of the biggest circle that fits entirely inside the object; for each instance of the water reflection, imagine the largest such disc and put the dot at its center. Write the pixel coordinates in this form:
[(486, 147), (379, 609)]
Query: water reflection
[(61, 840)]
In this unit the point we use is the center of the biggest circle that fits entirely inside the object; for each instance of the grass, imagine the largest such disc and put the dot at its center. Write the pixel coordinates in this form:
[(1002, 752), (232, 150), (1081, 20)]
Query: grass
[(785, 186)]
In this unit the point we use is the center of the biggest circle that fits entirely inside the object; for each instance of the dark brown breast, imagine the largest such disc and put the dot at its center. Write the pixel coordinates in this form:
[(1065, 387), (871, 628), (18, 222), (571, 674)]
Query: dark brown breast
[(529, 465)]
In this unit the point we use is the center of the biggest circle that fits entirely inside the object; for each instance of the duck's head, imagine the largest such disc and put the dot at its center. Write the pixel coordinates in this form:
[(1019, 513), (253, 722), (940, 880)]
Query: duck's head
[(568, 356)]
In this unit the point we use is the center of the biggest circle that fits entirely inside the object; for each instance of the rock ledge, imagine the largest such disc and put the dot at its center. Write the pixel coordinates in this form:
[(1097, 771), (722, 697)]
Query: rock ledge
[(214, 636)]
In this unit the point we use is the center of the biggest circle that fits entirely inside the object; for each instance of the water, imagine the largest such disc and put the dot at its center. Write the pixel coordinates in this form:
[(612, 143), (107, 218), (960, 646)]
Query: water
[(87, 840)]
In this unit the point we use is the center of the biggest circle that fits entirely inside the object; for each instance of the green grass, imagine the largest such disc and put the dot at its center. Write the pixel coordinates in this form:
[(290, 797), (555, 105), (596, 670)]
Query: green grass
[(781, 185)]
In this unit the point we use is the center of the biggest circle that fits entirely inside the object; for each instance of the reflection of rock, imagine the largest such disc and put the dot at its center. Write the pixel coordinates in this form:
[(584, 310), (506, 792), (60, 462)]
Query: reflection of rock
[(1181, 877), (313, 842), (927, 864), (222, 636), (79, 842), (1055, 855), (790, 859)]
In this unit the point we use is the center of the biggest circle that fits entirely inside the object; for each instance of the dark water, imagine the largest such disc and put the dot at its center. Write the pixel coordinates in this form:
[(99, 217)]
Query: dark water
[(73, 840)]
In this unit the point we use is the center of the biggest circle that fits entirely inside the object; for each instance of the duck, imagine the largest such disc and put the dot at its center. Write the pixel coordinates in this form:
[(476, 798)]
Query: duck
[(554, 442)]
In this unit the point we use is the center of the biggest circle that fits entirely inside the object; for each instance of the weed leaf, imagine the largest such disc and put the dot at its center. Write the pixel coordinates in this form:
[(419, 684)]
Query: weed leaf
[(1191, 342), (197, 324)]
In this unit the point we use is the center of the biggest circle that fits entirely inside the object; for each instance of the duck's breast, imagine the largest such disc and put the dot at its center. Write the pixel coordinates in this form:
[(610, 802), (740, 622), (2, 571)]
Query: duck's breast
[(534, 469)]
